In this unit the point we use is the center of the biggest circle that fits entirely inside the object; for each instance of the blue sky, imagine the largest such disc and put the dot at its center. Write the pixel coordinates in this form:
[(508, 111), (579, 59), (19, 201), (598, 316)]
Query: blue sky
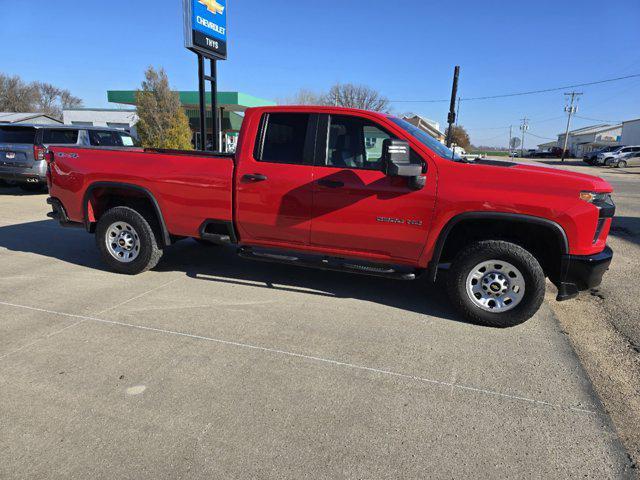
[(406, 48)]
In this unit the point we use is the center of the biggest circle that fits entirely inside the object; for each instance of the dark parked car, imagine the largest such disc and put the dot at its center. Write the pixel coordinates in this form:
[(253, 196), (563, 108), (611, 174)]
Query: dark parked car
[(23, 147)]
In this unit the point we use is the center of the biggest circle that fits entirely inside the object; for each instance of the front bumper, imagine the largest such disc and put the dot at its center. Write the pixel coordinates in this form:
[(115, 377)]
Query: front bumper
[(582, 273)]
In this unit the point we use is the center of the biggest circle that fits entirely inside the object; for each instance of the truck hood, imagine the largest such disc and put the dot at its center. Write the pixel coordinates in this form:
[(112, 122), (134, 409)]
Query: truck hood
[(525, 175), (554, 176)]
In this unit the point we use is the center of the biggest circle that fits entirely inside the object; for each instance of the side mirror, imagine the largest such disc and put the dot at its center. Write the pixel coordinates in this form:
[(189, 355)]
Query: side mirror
[(396, 158)]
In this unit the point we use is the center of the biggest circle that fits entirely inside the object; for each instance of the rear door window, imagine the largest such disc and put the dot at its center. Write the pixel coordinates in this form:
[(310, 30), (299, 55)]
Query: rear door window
[(284, 138), (60, 136), (127, 140), (101, 138), (17, 135)]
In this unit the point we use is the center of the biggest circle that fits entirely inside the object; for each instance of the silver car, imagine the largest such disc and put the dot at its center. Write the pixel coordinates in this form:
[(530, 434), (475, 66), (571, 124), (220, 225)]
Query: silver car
[(23, 147), (627, 160), (610, 158)]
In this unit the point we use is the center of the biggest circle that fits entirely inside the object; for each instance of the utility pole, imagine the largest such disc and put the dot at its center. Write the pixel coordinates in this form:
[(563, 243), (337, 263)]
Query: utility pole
[(524, 127), (510, 138), (571, 110), (452, 108)]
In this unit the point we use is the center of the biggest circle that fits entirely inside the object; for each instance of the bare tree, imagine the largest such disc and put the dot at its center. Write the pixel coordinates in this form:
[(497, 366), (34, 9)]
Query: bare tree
[(69, 101), (304, 97), (19, 96), (16, 95), (47, 100), (357, 96)]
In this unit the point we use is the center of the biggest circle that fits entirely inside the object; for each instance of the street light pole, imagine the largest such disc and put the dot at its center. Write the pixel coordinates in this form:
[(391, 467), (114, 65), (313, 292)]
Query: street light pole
[(452, 108)]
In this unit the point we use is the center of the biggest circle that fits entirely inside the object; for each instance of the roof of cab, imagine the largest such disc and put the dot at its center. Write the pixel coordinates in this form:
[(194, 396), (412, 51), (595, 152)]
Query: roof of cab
[(319, 109)]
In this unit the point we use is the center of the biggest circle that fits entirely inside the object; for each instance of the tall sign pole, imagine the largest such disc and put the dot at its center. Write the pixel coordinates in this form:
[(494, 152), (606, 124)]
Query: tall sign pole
[(571, 110), (205, 31), (452, 108), (214, 105), (202, 100)]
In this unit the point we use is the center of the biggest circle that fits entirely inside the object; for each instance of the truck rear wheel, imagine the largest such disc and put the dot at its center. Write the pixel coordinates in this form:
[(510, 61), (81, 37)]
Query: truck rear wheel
[(127, 242), (496, 283)]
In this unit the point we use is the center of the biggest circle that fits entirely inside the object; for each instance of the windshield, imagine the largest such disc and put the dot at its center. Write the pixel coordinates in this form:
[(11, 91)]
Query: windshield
[(426, 139)]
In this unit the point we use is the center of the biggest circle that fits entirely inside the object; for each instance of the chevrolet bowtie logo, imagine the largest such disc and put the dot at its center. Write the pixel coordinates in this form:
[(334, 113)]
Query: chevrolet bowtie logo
[(213, 6)]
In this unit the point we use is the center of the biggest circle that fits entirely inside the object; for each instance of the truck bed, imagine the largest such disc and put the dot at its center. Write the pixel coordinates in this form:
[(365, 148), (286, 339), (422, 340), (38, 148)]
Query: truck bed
[(188, 187)]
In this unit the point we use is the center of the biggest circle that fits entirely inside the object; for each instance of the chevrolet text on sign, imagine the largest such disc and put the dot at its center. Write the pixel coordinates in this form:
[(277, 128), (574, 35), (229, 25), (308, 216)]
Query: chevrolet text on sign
[(206, 27)]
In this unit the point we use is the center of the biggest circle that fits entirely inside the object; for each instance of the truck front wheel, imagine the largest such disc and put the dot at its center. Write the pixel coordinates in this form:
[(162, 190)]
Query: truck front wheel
[(496, 283), (126, 241)]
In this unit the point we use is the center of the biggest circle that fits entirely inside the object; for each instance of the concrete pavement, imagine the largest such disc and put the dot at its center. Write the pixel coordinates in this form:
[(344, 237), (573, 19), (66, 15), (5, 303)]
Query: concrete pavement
[(216, 367)]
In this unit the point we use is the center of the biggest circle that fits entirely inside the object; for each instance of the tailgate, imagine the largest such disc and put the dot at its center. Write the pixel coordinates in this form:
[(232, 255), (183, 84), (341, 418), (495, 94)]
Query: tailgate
[(16, 146), (18, 155)]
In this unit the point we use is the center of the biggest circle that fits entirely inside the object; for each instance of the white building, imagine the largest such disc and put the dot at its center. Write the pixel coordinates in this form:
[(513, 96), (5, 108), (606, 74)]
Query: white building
[(429, 126), (546, 147), (101, 117), (32, 117), (587, 139), (631, 132)]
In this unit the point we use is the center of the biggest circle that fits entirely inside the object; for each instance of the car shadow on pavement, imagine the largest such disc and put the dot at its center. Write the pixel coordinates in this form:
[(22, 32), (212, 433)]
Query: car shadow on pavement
[(626, 228), (47, 238), (18, 192), (222, 265)]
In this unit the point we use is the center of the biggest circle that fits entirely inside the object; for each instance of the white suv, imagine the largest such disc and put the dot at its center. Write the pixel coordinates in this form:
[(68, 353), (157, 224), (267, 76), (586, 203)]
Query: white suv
[(610, 158)]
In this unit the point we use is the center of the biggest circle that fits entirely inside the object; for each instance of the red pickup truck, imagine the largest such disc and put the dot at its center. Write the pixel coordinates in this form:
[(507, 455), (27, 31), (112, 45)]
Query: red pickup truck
[(349, 190)]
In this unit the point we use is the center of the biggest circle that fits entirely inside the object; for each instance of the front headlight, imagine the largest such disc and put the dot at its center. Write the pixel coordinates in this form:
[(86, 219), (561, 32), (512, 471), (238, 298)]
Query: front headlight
[(595, 197)]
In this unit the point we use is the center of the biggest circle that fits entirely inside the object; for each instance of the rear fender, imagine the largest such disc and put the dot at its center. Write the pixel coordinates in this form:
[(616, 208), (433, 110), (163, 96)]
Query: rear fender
[(90, 214)]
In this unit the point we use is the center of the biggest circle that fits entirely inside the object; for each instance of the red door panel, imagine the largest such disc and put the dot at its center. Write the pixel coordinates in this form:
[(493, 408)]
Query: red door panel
[(278, 208), (367, 212), (274, 181)]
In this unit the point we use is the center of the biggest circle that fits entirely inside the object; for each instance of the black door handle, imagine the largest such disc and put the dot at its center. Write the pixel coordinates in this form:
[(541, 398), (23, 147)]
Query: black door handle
[(331, 183), (255, 177)]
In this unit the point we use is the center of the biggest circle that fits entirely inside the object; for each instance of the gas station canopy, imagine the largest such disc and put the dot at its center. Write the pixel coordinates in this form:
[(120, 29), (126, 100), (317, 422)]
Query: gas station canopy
[(228, 101)]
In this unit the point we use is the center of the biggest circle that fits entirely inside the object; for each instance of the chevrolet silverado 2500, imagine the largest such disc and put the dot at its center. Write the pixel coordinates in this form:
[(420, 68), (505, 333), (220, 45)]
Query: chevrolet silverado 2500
[(354, 191)]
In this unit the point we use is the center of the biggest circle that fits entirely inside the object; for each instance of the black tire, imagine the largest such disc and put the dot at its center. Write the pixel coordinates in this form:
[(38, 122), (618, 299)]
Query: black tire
[(149, 252), (621, 164), (479, 252)]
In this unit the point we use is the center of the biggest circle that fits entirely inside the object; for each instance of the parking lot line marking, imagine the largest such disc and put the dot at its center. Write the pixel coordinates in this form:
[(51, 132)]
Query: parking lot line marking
[(138, 296), (85, 319), (41, 339), (328, 361)]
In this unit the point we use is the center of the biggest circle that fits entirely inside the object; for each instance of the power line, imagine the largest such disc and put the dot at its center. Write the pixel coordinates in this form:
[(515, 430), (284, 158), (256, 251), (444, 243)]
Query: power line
[(518, 94), (598, 119), (506, 127), (538, 136)]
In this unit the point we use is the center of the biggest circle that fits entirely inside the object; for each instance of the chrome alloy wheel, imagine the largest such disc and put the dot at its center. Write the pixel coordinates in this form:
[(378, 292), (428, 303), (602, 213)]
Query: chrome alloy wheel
[(123, 242), (495, 286)]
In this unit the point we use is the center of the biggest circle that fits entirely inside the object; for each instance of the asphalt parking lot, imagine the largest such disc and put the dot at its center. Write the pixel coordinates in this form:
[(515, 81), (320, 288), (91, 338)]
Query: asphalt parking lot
[(215, 367)]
